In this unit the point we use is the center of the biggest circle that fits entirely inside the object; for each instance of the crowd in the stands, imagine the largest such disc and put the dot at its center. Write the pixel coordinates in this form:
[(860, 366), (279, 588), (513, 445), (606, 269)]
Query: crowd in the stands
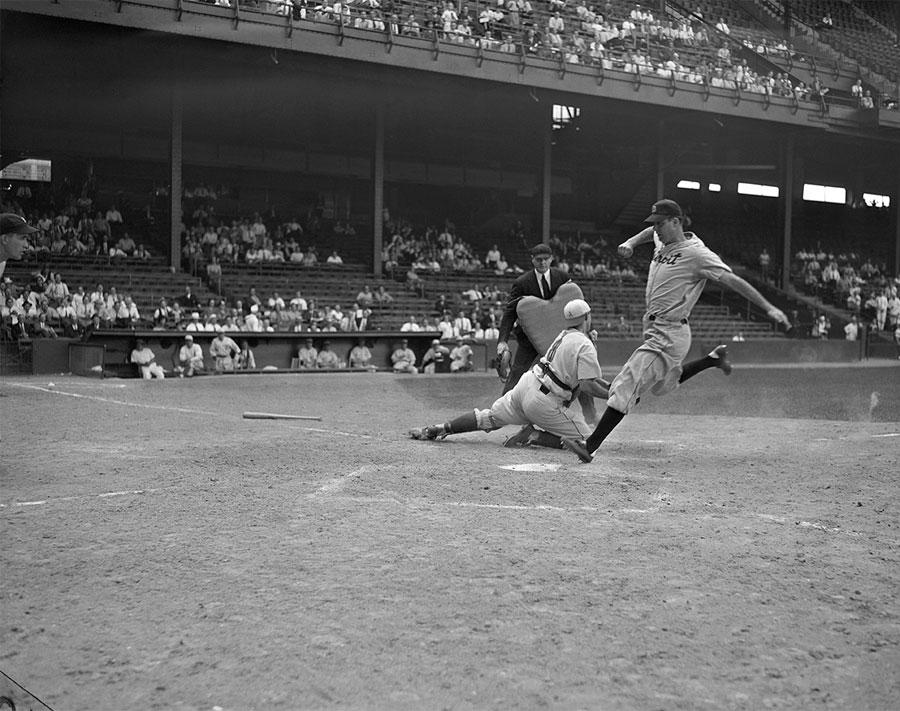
[(615, 35), (850, 281)]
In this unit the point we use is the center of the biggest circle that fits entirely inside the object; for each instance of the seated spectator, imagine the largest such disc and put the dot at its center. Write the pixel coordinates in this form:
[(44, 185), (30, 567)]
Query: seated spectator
[(851, 330), (365, 297), (195, 325), (436, 358), (126, 245), (163, 317), (299, 301), (867, 102), (361, 356), (334, 259), (223, 351), (145, 360), (189, 359), (382, 296), (327, 358), (411, 324), (403, 360), (142, 253), (414, 282)]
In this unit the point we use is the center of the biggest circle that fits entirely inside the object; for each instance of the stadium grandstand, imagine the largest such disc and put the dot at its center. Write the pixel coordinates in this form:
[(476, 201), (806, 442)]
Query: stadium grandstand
[(242, 151)]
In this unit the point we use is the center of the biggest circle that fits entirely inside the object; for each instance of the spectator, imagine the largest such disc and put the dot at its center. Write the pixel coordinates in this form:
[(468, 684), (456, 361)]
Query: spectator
[(189, 358), (299, 301), (867, 102), (327, 358), (414, 282), (365, 298), (223, 351), (382, 296), (195, 325), (334, 259), (403, 360), (251, 320), (162, 316), (307, 354), (145, 360), (851, 330), (411, 324)]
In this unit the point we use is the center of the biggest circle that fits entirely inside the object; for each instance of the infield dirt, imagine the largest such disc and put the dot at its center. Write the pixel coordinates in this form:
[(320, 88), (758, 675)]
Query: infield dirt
[(735, 545)]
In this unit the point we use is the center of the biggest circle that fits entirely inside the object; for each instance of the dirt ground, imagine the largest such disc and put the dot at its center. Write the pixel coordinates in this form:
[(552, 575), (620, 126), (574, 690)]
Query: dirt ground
[(735, 545)]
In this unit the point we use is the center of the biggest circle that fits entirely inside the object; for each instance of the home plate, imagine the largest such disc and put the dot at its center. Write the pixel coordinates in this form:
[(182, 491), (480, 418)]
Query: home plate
[(532, 467)]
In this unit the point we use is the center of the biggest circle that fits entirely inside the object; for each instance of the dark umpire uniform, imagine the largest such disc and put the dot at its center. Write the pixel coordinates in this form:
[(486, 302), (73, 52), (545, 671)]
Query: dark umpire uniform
[(527, 285)]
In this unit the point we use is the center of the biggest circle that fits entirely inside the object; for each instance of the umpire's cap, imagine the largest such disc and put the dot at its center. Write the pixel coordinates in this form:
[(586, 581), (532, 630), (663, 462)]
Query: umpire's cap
[(576, 309), (541, 250), (11, 223), (664, 209)]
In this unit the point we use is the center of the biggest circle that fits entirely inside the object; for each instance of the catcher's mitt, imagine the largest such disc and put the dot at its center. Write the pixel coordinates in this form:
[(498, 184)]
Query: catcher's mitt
[(503, 361)]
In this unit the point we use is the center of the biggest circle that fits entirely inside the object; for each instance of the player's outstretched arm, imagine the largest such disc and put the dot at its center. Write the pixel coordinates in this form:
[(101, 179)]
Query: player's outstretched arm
[(626, 249), (748, 291)]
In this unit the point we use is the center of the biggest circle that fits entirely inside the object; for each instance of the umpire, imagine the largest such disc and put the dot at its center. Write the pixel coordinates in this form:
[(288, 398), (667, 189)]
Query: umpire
[(543, 281)]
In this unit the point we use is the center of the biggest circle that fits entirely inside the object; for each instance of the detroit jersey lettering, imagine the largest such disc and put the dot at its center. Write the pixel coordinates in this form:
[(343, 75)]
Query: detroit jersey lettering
[(678, 273)]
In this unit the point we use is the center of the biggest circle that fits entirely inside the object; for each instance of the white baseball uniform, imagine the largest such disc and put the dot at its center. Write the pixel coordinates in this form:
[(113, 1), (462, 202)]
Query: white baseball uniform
[(544, 395), (678, 273)]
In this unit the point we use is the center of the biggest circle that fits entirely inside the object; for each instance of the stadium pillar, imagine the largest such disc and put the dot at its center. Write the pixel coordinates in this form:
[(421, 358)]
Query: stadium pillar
[(378, 189), (176, 155), (660, 161), (546, 180), (897, 224), (788, 200)]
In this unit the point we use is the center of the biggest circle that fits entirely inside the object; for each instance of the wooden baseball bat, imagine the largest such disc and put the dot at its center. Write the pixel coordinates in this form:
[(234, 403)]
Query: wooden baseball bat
[(275, 416)]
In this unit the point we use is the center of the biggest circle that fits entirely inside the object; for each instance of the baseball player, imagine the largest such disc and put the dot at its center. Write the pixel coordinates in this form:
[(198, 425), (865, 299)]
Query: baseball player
[(546, 395), (680, 267), (145, 359), (13, 231), (223, 350), (543, 281)]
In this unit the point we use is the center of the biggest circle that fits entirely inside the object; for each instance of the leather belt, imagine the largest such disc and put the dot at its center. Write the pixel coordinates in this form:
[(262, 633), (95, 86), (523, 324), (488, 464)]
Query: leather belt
[(652, 317), (547, 391)]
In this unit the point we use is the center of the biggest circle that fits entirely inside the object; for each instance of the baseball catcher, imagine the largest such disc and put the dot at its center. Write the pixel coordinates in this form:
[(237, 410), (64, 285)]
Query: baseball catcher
[(545, 400)]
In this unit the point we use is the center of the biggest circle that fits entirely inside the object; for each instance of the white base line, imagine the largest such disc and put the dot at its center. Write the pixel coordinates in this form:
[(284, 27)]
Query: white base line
[(105, 495), (166, 408), (339, 483)]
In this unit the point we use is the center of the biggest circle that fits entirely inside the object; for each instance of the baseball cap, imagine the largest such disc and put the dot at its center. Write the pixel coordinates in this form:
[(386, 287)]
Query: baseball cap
[(11, 223), (575, 309), (541, 250), (436, 342), (663, 210), (189, 337)]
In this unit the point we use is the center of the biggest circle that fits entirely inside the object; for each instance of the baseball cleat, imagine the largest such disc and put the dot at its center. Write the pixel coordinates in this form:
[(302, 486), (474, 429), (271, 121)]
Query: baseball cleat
[(520, 438), (431, 432), (721, 354), (579, 448)]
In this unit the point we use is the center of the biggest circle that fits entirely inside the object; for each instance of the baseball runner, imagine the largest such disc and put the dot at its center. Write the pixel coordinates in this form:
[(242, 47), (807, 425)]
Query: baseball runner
[(542, 282), (546, 395), (678, 272), (13, 231)]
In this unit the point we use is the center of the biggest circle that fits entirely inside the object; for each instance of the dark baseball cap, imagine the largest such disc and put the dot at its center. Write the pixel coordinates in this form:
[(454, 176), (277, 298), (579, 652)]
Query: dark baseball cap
[(541, 250), (663, 210), (10, 223)]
